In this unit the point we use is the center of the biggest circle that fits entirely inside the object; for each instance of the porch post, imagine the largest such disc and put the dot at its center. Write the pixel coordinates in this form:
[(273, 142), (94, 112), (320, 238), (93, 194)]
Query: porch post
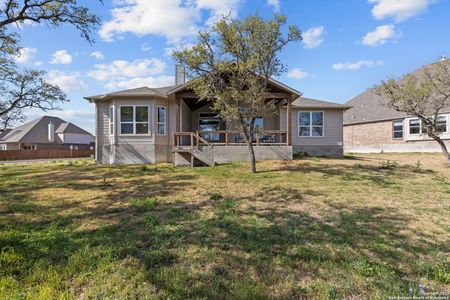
[(177, 114), (289, 121)]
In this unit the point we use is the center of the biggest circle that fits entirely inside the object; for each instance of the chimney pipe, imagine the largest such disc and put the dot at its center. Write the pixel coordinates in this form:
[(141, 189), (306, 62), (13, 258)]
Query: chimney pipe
[(51, 132), (180, 76)]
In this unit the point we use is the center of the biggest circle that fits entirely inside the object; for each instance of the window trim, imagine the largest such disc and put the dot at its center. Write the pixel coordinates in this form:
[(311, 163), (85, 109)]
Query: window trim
[(311, 125), (403, 129), (421, 132), (158, 122), (134, 121), (111, 123)]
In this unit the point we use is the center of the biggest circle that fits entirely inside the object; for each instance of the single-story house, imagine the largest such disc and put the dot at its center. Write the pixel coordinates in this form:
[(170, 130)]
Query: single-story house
[(47, 133), (154, 125), (370, 127)]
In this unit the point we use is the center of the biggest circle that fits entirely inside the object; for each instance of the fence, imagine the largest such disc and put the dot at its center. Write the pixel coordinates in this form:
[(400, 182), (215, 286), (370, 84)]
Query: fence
[(43, 154)]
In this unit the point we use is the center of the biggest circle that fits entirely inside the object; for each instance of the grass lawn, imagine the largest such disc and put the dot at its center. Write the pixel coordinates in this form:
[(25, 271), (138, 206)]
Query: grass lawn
[(356, 228)]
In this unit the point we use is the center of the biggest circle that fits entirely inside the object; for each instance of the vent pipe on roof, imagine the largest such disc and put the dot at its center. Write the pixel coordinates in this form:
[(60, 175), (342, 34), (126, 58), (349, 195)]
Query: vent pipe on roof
[(443, 58), (51, 132), (180, 76)]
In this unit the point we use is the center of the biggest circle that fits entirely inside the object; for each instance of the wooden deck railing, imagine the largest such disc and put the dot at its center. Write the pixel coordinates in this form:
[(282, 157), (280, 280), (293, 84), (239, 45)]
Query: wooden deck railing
[(235, 138)]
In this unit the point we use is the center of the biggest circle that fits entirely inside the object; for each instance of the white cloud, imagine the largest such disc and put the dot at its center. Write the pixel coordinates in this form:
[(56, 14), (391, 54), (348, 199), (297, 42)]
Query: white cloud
[(380, 36), (122, 69), (61, 57), (174, 19), (38, 63), (157, 81), (25, 55), (313, 37), (298, 73), (67, 81), (97, 55), (275, 3), (357, 65), (399, 10), (145, 47)]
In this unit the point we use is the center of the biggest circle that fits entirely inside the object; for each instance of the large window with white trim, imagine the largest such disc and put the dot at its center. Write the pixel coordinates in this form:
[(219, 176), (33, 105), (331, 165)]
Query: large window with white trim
[(134, 120), (161, 120), (416, 125), (310, 123)]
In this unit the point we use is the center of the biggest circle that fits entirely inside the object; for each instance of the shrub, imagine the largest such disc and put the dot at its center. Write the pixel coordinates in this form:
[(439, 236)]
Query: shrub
[(216, 197), (143, 204), (388, 165), (300, 155)]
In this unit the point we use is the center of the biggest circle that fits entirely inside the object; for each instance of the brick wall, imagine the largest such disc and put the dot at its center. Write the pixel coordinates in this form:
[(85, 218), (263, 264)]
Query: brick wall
[(370, 134)]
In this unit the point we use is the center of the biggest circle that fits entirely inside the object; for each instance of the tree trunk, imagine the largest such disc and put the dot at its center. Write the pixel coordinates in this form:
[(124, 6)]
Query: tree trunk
[(252, 155), (443, 148)]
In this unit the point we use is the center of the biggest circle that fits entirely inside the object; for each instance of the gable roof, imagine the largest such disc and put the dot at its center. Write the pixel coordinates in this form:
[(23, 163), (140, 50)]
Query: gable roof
[(138, 92), (368, 107), (36, 131), (4, 132), (303, 102), (70, 128)]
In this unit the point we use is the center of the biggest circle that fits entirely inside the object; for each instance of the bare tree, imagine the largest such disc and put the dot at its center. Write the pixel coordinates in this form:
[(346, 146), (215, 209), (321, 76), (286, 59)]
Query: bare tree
[(25, 89), (424, 94), (231, 65)]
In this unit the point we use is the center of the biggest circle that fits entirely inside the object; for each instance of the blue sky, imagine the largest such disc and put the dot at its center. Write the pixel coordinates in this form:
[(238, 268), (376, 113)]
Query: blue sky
[(349, 45)]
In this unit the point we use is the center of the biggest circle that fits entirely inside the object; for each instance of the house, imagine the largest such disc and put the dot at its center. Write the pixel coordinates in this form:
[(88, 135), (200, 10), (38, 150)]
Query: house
[(154, 125), (371, 127), (46, 133)]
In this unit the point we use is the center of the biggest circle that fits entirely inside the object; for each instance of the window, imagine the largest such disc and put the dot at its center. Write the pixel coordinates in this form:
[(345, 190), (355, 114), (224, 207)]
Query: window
[(161, 120), (134, 120), (2, 147), (310, 124), (111, 120), (414, 126), (441, 124), (397, 127), (209, 122)]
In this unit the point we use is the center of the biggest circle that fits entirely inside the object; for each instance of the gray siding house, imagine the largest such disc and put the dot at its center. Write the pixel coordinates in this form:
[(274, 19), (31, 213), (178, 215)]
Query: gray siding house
[(46, 133), (155, 125)]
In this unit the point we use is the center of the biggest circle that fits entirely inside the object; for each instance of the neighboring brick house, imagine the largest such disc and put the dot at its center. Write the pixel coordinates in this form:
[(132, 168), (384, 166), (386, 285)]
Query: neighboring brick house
[(371, 127), (46, 133)]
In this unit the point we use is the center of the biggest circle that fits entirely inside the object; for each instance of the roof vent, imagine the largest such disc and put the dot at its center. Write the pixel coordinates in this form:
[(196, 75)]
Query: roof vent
[(443, 58)]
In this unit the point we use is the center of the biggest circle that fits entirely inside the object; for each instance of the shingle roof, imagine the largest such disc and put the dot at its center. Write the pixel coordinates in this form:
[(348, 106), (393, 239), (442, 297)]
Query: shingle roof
[(368, 107), (36, 131), (303, 102), (4, 132), (141, 91), (70, 128)]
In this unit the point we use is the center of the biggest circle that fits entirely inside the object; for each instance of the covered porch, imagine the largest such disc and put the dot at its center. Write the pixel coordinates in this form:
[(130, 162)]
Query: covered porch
[(200, 129)]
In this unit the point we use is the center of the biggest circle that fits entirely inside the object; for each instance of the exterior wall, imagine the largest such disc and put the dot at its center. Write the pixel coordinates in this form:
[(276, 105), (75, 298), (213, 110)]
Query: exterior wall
[(102, 142), (331, 144), (10, 146), (76, 138), (378, 136)]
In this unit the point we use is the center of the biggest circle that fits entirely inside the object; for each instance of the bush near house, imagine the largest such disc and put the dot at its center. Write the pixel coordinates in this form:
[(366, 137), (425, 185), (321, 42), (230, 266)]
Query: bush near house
[(324, 229)]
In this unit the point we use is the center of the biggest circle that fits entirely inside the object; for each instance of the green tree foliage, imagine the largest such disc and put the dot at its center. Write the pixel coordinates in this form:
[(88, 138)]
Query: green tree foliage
[(231, 65), (24, 89), (424, 94)]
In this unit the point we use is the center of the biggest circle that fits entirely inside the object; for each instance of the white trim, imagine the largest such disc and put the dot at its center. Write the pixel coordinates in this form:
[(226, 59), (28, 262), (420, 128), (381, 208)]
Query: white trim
[(311, 125), (158, 122), (111, 124), (134, 121)]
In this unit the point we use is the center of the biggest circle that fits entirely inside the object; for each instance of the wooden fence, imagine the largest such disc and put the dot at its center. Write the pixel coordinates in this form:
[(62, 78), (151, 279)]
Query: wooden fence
[(43, 154)]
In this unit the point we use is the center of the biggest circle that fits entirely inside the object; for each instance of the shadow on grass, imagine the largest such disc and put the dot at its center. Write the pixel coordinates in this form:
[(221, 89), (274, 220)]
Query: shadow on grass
[(215, 248)]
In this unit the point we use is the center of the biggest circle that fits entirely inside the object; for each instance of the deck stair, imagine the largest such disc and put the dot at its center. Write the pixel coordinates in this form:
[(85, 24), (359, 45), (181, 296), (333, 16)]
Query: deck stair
[(199, 151)]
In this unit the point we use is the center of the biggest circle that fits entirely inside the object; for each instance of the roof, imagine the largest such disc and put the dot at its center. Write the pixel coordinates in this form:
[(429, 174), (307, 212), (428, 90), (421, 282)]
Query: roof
[(272, 81), (141, 91), (70, 128), (4, 132), (313, 103), (36, 131), (368, 107)]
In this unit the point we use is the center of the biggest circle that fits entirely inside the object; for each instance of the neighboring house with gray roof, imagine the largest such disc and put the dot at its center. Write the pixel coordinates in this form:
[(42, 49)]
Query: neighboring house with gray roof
[(371, 127), (153, 125), (46, 133)]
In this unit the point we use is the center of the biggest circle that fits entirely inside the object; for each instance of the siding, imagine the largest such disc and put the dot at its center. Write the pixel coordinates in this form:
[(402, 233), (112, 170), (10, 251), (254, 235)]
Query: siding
[(333, 124)]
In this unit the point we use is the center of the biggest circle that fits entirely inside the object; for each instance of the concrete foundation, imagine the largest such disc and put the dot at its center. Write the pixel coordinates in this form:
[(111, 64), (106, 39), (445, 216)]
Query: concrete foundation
[(134, 154), (224, 154), (326, 150), (406, 147)]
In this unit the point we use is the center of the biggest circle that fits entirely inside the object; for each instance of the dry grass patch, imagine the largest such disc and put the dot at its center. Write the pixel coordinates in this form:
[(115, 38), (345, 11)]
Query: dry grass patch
[(368, 226)]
